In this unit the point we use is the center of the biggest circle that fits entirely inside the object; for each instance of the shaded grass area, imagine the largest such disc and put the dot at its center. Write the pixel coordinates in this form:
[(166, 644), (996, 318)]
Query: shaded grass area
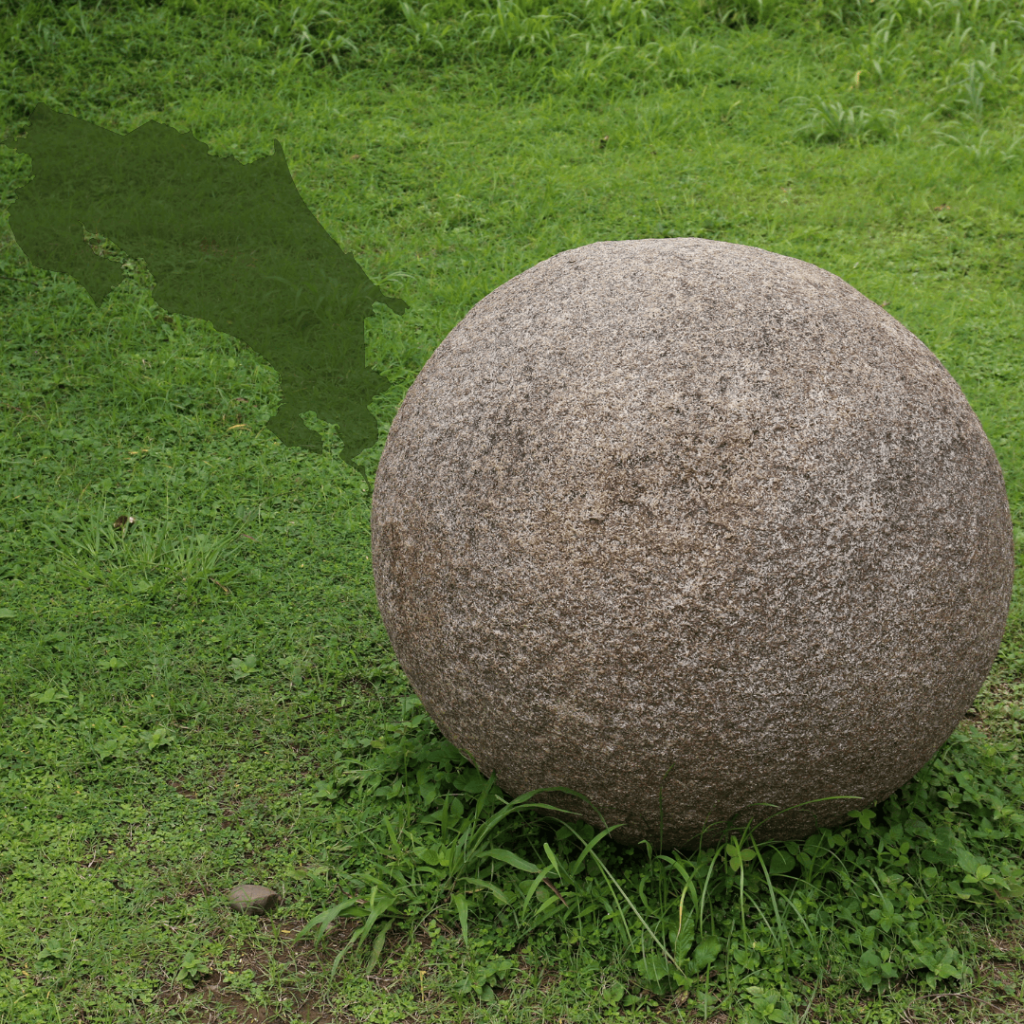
[(205, 695)]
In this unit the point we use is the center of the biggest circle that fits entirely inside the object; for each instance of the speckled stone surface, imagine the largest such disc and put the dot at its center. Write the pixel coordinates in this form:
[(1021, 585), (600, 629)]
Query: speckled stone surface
[(690, 516)]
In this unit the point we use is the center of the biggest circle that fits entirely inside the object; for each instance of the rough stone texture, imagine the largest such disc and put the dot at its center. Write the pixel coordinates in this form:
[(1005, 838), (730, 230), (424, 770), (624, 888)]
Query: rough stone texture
[(253, 899), (689, 507)]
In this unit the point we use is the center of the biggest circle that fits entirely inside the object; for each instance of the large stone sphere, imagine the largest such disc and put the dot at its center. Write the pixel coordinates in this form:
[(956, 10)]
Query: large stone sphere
[(697, 531)]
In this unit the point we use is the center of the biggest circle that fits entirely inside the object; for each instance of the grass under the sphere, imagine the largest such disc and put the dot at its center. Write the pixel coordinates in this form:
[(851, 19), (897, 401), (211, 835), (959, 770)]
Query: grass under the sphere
[(207, 697)]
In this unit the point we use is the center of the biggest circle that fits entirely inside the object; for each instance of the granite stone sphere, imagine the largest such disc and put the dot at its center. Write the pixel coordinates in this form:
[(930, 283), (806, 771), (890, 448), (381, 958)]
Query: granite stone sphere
[(697, 531)]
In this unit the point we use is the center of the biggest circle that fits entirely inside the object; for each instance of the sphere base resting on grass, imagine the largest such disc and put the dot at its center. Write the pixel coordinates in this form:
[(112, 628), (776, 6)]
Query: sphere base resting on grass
[(697, 531)]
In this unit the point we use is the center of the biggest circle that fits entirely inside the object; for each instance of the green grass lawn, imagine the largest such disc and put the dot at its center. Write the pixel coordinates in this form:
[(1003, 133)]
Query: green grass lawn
[(207, 697)]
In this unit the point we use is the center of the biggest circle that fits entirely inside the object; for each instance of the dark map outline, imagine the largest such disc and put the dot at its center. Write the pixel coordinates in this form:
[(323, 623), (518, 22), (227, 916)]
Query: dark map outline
[(231, 243)]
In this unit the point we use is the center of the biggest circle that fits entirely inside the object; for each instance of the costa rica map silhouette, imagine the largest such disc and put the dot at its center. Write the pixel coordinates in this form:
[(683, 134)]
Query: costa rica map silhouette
[(227, 242)]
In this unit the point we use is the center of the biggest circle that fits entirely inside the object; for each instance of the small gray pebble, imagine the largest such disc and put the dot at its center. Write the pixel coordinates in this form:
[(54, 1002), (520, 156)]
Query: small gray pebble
[(253, 899)]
